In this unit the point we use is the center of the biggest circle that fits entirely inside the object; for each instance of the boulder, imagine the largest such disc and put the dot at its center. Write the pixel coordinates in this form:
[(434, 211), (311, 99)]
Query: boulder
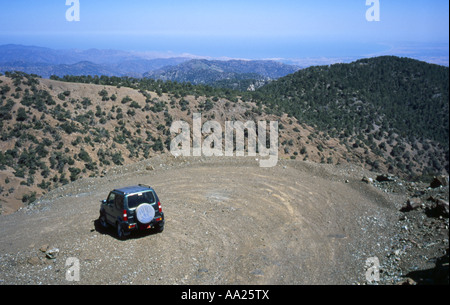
[(52, 253), (34, 261), (413, 203), (44, 248), (442, 207), (367, 180), (407, 282), (385, 178), (439, 181)]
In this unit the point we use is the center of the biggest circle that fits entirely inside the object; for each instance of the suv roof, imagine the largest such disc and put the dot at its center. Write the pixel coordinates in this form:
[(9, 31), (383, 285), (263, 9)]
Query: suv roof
[(134, 189)]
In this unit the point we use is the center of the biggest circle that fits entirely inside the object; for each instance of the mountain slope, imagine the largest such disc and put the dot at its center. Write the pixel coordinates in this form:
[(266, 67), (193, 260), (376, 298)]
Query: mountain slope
[(54, 131), (199, 71), (394, 106)]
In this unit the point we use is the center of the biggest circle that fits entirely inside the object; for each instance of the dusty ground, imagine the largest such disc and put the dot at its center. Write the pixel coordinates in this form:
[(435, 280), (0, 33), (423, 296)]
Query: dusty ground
[(228, 221)]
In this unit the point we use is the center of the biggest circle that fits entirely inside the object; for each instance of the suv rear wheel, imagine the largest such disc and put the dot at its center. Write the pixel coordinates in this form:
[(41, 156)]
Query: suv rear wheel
[(120, 231)]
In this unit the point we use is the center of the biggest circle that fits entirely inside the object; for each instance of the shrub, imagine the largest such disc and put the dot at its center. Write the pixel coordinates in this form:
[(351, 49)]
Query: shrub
[(126, 100), (134, 105), (83, 155), (117, 158), (158, 145), (74, 172), (29, 198), (21, 114)]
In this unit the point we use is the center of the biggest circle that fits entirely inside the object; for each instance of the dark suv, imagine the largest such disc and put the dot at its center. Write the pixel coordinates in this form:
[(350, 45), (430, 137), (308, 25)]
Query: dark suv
[(132, 208)]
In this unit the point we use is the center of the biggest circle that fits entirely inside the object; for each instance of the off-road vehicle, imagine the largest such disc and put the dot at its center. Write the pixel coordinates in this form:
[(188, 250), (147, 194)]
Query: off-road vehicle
[(132, 208)]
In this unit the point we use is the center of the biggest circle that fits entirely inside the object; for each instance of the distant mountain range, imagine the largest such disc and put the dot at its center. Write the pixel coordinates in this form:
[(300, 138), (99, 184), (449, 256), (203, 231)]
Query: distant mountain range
[(213, 72), (32, 54), (46, 62), (132, 67)]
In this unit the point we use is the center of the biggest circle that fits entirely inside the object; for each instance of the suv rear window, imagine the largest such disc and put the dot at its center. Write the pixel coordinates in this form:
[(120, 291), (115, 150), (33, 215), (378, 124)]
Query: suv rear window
[(136, 199)]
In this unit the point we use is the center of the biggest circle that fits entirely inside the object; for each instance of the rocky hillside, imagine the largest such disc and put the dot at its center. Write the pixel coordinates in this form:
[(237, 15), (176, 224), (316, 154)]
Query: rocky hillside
[(56, 132)]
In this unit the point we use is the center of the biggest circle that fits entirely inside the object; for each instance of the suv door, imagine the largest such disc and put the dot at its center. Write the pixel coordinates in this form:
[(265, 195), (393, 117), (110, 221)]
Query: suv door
[(118, 207), (110, 207)]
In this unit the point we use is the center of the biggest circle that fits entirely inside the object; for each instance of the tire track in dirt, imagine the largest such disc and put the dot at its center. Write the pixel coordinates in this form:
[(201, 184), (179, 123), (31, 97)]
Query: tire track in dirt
[(227, 222)]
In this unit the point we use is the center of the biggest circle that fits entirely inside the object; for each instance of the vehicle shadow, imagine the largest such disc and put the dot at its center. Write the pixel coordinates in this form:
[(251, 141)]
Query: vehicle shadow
[(111, 231), (434, 276)]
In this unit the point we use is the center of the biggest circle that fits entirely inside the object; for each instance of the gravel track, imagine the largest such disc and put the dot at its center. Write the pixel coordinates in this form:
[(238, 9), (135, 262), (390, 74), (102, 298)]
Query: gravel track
[(228, 221)]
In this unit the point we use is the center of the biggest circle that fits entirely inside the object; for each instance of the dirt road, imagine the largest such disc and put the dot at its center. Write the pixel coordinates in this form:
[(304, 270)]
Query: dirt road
[(228, 221)]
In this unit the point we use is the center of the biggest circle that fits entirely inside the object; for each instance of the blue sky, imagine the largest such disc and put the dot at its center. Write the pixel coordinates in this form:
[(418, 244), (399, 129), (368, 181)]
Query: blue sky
[(251, 29)]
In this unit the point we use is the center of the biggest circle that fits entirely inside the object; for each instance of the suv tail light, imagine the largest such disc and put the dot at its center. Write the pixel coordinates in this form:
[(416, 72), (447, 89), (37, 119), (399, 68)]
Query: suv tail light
[(159, 207), (125, 216)]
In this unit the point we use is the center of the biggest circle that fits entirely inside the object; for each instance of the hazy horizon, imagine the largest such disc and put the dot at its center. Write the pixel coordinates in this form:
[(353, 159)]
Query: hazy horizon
[(322, 31)]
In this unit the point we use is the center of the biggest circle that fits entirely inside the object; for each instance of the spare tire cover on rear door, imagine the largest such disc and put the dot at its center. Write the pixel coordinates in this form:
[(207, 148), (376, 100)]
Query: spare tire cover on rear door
[(145, 213)]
